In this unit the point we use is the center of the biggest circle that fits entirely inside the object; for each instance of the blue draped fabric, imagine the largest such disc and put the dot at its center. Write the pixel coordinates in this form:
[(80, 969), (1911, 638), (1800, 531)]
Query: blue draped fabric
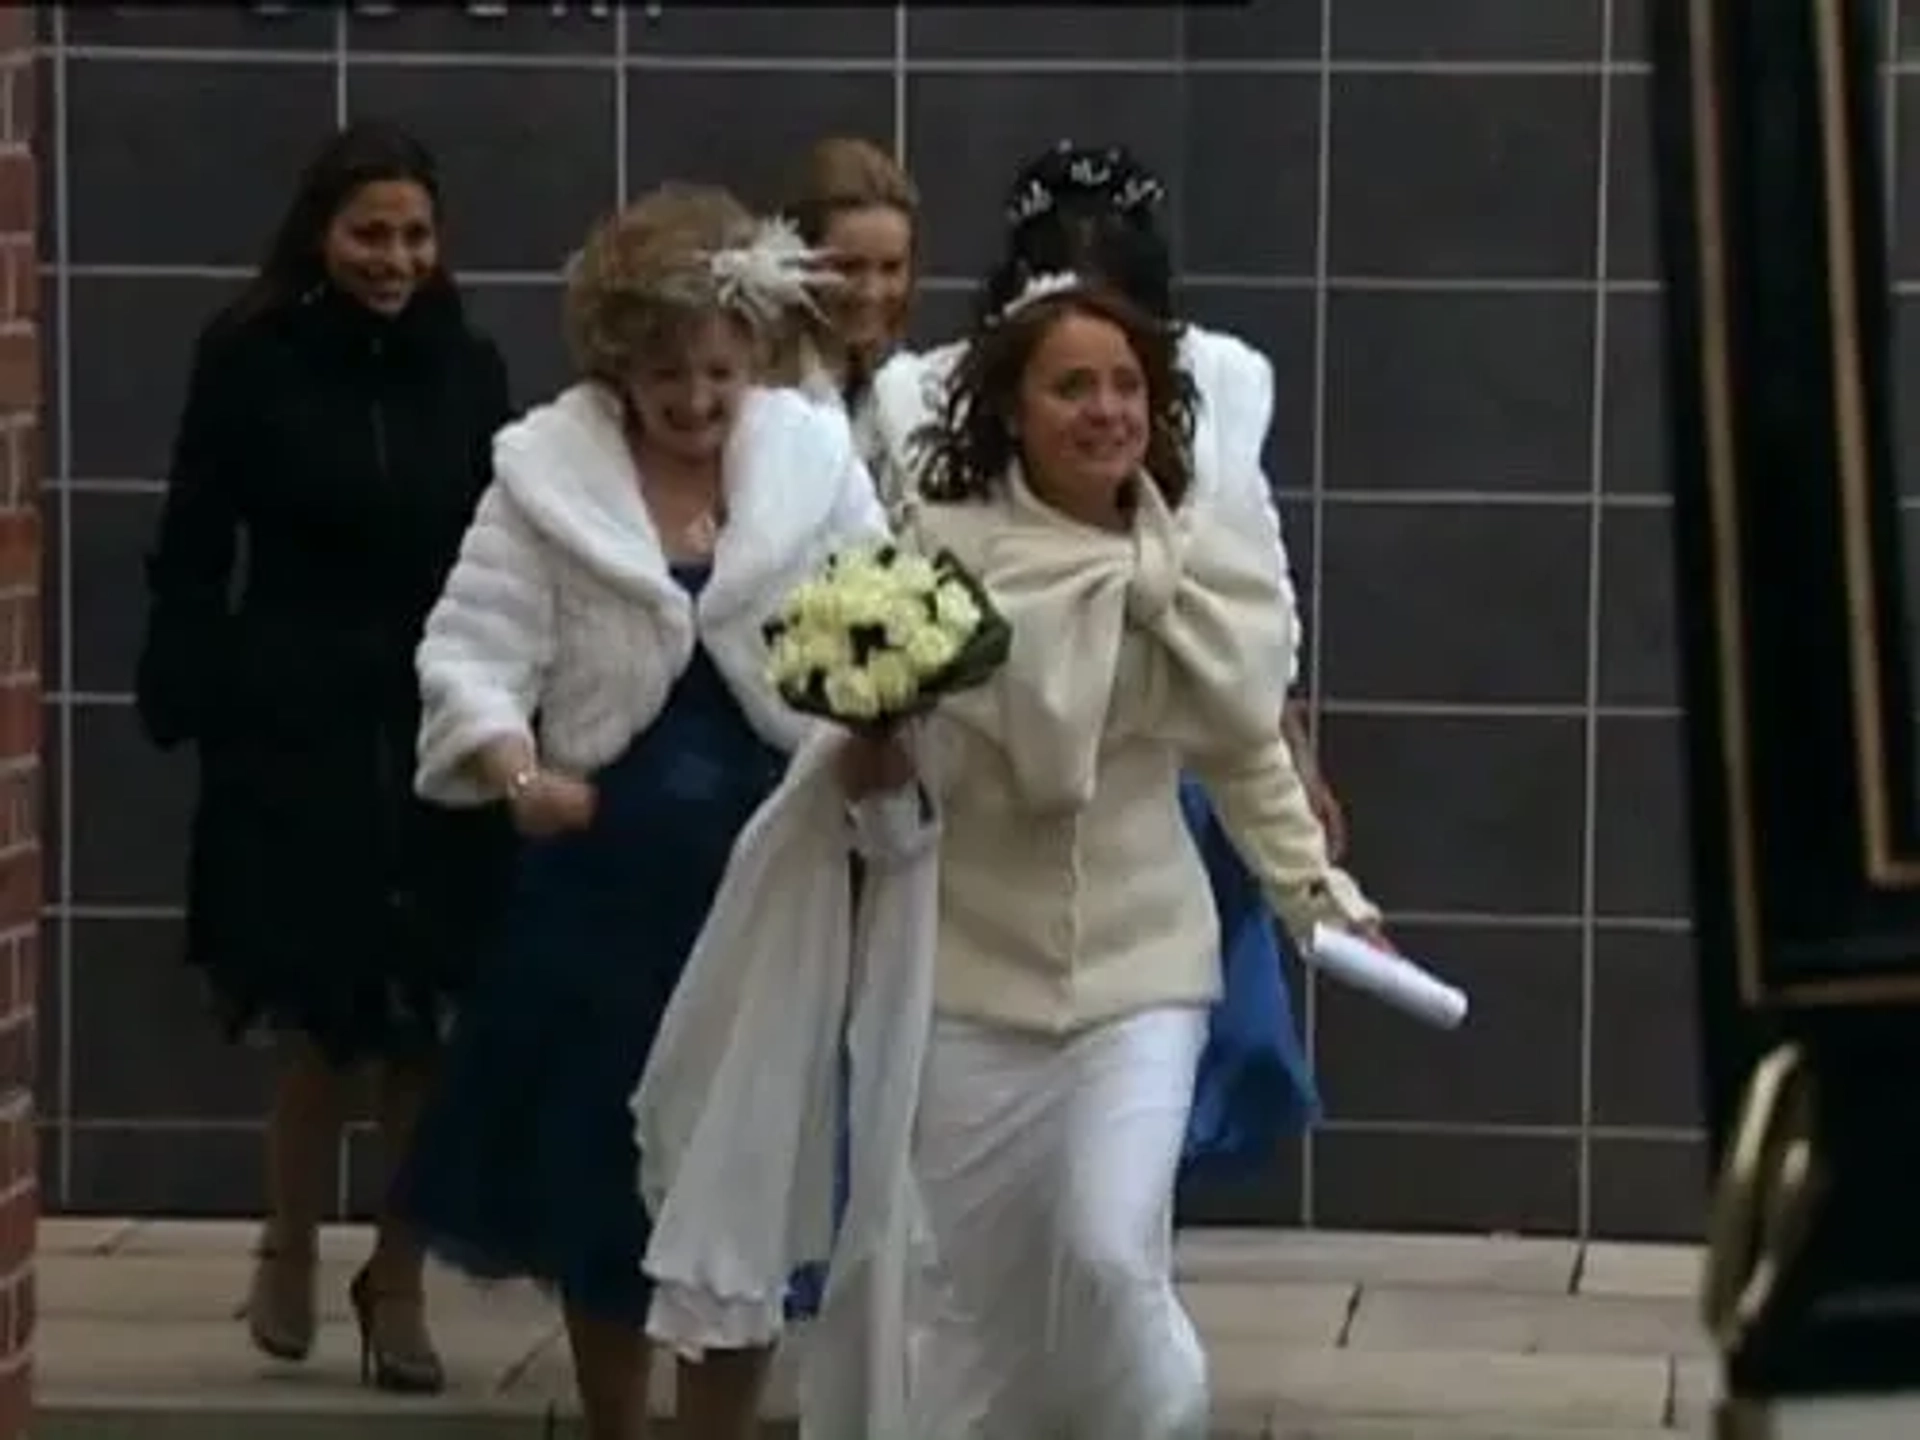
[(1255, 1085)]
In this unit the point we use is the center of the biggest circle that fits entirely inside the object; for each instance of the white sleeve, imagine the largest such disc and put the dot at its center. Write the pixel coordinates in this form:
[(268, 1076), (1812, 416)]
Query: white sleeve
[(1239, 393), (483, 660), (857, 512)]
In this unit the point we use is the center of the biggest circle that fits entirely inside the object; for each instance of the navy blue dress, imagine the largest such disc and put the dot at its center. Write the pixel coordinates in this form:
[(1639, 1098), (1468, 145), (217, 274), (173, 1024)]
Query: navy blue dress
[(524, 1164)]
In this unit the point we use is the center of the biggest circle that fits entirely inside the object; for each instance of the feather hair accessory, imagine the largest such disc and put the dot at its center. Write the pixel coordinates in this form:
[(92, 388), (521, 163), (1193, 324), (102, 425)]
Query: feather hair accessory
[(772, 274)]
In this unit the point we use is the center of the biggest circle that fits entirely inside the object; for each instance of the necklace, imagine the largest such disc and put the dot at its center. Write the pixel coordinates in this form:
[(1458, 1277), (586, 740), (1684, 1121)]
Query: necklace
[(701, 533)]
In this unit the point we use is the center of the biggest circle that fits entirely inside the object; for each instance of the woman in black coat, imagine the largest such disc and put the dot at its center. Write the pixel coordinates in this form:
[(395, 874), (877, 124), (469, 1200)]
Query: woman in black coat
[(335, 439)]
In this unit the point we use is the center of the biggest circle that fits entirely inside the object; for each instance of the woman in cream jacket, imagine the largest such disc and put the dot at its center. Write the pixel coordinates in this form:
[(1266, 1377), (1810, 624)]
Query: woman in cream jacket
[(596, 660), (1078, 949), (1096, 212)]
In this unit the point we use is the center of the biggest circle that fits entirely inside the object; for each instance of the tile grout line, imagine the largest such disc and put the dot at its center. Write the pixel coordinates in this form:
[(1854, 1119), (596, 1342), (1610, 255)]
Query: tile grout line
[(901, 136), (1289, 496), (933, 67), (1317, 490), (63, 448), (137, 911), (1369, 709), (1590, 757), (622, 106), (342, 95), (132, 1122), (1473, 286)]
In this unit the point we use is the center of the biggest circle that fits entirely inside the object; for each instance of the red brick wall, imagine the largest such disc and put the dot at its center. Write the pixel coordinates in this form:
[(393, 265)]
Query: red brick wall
[(19, 710)]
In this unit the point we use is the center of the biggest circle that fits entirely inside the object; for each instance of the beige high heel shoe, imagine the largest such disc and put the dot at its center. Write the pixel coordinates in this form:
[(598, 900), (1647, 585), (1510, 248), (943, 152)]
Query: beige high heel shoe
[(396, 1352), (280, 1312)]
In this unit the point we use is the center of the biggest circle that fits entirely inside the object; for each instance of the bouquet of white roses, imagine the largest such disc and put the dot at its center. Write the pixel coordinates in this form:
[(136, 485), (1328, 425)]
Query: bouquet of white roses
[(881, 634)]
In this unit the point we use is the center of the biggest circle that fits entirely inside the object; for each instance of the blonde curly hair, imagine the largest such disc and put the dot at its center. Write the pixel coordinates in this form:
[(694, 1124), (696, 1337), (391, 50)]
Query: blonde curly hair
[(647, 276)]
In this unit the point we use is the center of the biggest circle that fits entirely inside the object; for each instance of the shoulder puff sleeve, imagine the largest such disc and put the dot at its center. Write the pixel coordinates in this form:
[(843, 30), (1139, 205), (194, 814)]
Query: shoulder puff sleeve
[(1263, 808), (483, 660), (857, 512), (908, 394), (1237, 390)]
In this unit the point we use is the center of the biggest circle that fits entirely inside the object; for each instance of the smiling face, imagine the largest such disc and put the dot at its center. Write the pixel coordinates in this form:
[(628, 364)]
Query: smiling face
[(383, 244), (687, 396), (1083, 417), (872, 249)]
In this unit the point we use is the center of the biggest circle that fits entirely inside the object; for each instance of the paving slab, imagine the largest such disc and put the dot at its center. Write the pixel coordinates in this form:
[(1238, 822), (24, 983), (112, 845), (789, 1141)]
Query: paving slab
[(1696, 1390), (213, 1286), (1467, 1262), (58, 1235), (1546, 1391), (116, 1361), (1284, 1312), (1335, 1427), (349, 1243), (1671, 1271), (1313, 1336), (1403, 1318), (546, 1378)]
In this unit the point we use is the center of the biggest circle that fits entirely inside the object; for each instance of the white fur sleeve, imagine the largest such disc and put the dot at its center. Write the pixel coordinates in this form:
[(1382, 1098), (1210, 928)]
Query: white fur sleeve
[(484, 657), (1240, 394), (857, 512)]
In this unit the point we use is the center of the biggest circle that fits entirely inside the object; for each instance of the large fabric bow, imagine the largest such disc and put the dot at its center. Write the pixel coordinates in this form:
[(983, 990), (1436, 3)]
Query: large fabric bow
[(1205, 588)]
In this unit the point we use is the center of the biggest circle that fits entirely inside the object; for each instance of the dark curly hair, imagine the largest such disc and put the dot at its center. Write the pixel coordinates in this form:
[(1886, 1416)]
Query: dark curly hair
[(970, 446), (1092, 211)]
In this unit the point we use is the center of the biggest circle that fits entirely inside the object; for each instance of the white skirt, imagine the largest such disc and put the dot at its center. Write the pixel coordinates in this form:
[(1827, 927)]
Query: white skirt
[(1047, 1169)]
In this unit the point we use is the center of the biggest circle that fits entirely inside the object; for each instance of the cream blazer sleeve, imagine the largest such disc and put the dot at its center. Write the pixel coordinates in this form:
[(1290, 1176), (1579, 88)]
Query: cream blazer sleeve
[(1263, 803), (1263, 806)]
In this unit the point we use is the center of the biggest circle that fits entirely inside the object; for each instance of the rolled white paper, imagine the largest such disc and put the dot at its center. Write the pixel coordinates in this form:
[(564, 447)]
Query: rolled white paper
[(1389, 977)]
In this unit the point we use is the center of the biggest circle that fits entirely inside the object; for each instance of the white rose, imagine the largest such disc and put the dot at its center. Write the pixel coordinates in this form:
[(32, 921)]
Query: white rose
[(857, 569), (956, 609), (906, 617), (865, 602), (853, 557), (930, 649), (786, 660), (914, 572), (850, 692), (826, 650), (816, 604), (893, 678)]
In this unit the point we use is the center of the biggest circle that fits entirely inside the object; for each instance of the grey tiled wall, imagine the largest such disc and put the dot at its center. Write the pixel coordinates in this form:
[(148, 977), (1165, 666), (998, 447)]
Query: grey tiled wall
[(1434, 217)]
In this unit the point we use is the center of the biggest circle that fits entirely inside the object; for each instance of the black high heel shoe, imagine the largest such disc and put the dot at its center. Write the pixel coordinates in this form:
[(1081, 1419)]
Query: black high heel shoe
[(396, 1354)]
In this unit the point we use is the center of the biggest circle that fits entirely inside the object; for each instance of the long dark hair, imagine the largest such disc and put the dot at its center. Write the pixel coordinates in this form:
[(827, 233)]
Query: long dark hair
[(1093, 212), (364, 153), (971, 446)]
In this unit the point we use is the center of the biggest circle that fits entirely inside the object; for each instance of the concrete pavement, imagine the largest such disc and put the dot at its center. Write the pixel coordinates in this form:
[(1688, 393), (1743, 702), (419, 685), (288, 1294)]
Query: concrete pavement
[(1313, 1336)]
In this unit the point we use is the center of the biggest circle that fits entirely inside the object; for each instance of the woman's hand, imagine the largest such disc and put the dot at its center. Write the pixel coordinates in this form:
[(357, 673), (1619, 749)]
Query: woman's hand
[(545, 805), (873, 764), (1374, 935)]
